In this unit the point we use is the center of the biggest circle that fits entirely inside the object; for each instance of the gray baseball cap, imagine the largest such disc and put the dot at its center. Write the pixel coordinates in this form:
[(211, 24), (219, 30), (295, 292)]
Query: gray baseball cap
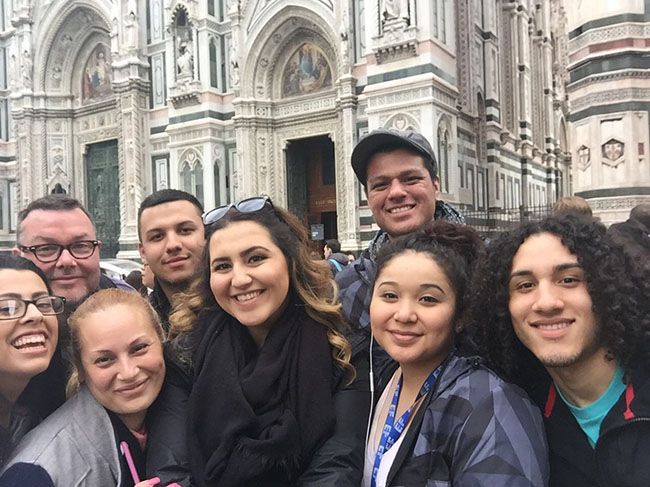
[(377, 139)]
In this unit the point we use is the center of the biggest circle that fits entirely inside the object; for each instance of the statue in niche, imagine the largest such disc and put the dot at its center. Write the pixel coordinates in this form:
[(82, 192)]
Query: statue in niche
[(131, 30), (234, 65), (395, 10), (26, 69), (185, 60), (115, 41)]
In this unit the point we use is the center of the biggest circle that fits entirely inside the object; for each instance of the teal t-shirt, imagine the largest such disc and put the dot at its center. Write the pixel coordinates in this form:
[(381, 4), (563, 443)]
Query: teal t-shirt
[(591, 417)]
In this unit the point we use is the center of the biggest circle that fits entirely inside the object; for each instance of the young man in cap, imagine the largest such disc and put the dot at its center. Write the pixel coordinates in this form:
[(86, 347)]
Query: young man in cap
[(399, 173)]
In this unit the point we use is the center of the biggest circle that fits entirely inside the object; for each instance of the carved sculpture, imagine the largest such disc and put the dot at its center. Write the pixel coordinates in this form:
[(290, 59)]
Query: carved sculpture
[(395, 9), (184, 60)]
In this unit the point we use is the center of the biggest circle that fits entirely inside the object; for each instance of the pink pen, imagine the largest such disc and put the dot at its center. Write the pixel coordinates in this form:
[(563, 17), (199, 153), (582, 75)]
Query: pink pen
[(124, 448)]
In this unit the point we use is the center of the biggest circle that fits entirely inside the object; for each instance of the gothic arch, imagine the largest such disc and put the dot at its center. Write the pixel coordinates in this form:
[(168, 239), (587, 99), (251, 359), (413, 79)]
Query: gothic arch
[(444, 121), (74, 82), (174, 13), (66, 17), (190, 155), (276, 41)]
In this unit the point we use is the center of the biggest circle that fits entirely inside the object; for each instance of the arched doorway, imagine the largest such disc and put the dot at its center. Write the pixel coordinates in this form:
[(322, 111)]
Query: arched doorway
[(311, 183)]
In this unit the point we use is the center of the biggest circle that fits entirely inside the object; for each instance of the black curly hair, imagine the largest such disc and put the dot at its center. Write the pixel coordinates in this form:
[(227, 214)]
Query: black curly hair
[(619, 290), (456, 249)]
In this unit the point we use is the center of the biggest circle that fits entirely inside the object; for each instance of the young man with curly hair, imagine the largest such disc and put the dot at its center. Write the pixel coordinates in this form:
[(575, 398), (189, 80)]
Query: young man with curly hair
[(562, 311)]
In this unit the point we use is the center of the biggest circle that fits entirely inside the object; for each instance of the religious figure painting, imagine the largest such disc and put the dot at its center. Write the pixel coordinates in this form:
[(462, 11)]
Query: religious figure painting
[(97, 75), (307, 71)]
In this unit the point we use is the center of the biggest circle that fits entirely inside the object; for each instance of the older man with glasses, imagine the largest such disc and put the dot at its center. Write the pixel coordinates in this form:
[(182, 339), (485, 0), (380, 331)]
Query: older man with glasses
[(56, 233)]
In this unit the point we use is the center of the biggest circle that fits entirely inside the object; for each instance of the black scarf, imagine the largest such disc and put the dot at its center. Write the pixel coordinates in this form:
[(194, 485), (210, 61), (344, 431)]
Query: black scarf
[(256, 417)]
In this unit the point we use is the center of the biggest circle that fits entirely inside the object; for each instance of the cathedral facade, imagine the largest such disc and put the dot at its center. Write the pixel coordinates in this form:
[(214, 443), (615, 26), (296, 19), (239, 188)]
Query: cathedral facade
[(109, 100)]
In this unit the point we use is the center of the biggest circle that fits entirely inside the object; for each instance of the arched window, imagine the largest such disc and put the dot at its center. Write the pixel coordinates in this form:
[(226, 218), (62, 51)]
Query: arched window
[(443, 157), (198, 181), (439, 20), (214, 63), (192, 179), (58, 189)]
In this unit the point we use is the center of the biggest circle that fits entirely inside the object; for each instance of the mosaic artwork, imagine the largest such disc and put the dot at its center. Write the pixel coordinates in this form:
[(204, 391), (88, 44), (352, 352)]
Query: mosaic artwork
[(306, 72)]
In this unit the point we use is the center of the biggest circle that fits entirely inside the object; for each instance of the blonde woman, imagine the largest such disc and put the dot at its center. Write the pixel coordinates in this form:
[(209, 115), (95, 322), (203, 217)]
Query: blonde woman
[(261, 388), (119, 370)]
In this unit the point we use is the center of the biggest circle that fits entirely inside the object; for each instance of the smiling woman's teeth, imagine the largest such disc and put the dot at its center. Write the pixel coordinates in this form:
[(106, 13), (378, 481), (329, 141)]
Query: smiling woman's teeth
[(247, 296), (554, 326), (29, 340)]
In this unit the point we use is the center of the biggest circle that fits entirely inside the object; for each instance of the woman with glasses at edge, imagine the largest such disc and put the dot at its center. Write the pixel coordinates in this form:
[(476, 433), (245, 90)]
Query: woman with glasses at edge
[(99, 436), (263, 388), (29, 333)]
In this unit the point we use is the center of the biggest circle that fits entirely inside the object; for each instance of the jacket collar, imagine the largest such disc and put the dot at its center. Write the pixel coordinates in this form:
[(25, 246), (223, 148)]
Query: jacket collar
[(93, 421), (567, 440), (634, 403)]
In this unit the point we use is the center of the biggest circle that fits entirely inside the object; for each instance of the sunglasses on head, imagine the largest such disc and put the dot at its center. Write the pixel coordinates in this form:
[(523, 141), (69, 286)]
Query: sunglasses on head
[(249, 205)]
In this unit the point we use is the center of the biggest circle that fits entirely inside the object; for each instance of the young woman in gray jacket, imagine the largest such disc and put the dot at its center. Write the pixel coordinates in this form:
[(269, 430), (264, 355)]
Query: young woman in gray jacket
[(443, 418)]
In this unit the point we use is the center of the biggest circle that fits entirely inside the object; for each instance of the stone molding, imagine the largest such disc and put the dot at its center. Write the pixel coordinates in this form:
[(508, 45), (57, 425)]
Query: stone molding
[(608, 34), (610, 96)]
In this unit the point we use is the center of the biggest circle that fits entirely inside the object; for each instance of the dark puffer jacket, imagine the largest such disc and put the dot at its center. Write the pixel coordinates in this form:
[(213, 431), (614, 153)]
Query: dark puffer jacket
[(473, 430), (620, 457)]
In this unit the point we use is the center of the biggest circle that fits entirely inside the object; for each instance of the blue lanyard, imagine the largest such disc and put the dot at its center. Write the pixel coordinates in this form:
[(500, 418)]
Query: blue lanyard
[(393, 429)]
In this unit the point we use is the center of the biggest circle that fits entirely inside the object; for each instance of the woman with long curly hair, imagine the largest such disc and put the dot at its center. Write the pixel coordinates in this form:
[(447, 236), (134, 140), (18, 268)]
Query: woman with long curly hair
[(561, 310), (261, 385)]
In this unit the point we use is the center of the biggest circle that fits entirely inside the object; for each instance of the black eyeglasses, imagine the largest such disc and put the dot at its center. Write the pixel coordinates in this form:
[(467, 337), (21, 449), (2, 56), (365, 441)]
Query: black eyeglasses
[(13, 308), (51, 252), (249, 205)]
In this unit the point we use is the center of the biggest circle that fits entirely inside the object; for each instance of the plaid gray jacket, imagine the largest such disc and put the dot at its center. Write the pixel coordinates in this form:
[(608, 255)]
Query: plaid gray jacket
[(473, 430)]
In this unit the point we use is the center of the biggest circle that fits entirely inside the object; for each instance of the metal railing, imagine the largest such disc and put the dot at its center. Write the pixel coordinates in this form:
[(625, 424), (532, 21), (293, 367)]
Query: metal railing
[(497, 220)]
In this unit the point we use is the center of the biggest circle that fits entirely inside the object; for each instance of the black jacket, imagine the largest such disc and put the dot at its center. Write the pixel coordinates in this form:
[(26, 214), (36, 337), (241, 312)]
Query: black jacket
[(620, 457), (159, 302), (338, 462)]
